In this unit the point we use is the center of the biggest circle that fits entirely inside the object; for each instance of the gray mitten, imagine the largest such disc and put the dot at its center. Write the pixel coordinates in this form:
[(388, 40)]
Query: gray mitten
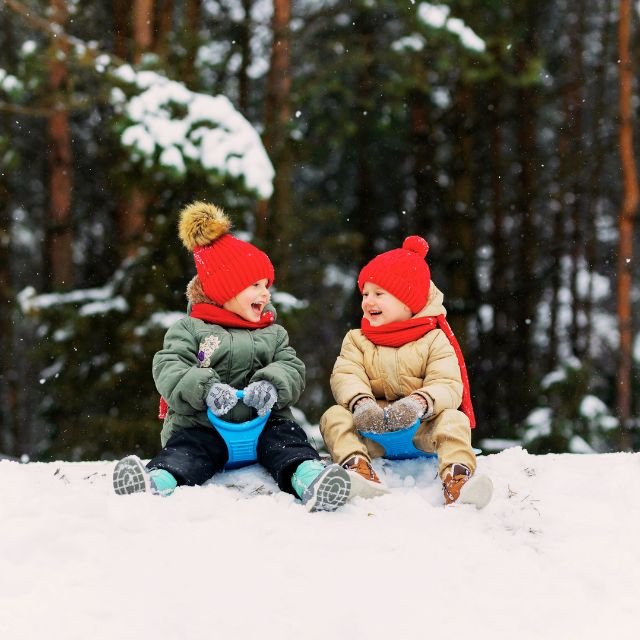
[(261, 396), (368, 416), (403, 413), (221, 398)]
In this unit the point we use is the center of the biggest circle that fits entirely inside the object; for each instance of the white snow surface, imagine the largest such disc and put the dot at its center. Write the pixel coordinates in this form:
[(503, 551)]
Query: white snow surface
[(554, 555)]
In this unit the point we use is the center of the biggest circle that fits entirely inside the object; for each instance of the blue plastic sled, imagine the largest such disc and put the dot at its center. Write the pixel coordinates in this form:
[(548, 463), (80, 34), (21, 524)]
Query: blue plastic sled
[(241, 437), (398, 445)]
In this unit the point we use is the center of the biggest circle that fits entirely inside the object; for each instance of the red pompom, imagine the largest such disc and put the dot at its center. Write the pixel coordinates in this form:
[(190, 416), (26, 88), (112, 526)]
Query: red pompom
[(417, 245)]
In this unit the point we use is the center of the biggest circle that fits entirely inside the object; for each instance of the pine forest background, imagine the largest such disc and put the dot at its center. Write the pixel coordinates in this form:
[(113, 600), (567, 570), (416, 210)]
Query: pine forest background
[(501, 132)]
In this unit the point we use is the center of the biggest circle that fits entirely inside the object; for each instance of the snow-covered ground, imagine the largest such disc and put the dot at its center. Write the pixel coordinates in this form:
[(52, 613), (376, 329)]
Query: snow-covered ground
[(555, 555)]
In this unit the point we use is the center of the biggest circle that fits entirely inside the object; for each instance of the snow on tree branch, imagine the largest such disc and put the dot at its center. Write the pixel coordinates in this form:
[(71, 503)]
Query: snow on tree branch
[(183, 127), (437, 16)]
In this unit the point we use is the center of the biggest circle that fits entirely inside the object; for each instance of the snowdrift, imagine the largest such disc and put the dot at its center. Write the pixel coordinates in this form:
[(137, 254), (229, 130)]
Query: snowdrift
[(554, 555)]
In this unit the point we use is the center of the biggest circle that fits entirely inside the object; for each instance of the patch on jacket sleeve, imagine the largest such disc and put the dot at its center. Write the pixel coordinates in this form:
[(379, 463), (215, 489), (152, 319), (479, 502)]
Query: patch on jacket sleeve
[(206, 350)]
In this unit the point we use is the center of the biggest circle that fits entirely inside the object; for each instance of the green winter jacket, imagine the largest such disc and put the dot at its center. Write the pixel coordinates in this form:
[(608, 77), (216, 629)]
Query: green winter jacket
[(196, 354)]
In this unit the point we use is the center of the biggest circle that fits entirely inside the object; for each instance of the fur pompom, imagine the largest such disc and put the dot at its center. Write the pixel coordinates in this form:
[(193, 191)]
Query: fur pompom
[(200, 224), (417, 245)]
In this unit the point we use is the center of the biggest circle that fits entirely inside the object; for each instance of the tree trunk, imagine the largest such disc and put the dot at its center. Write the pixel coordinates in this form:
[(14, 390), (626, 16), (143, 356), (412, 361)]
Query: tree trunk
[(277, 220), (132, 221), (165, 25), (8, 435), (364, 214), (525, 290), (59, 236), (528, 234), (496, 349), (461, 246), (245, 61), (627, 215), (131, 210), (142, 28), (598, 151), (575, 108), (499, 269), (422, 146), (121, 28), (568, 235), (192, 20)]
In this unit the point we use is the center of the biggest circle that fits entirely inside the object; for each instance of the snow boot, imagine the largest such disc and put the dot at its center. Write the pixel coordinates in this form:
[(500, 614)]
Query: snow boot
[(131, 476), (365, 482), (461, 487), (321, 487)]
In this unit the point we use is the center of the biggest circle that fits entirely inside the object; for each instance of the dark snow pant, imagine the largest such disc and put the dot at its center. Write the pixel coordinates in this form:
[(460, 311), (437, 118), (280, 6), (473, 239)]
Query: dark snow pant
[(193, 455)]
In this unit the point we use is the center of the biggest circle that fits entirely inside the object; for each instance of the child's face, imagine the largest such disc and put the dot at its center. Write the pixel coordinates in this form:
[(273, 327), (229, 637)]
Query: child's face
[(380, 307), (250, 302)]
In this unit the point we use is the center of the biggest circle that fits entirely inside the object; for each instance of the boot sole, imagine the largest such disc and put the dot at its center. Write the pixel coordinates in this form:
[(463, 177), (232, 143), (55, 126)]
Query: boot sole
[(360, 487), (131, 476), (329, 491), (477, 491)]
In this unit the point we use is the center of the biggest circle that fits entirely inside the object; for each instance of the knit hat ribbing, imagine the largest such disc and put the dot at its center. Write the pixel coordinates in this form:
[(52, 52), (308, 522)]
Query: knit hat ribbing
[(225, 264), (402, 272)]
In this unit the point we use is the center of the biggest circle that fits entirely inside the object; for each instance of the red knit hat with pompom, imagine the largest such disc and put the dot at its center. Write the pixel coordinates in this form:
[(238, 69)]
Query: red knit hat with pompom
[(402, 272), (225, 264)]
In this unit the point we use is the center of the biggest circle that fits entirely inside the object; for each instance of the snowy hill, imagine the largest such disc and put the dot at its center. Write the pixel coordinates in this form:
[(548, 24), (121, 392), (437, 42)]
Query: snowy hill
[(555, 555)]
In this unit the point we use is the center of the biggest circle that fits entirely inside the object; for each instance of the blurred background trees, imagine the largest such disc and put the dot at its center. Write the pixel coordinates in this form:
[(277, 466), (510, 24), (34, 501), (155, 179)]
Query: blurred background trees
[(493, 129)]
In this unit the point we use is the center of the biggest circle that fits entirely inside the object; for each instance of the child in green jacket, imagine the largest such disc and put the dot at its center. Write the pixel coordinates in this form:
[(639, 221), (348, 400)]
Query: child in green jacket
[(229, 342)]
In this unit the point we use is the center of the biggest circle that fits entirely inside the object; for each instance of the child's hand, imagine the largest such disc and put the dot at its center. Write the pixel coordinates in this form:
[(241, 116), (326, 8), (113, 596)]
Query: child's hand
[(261, 396), (404, 412), (221, 398), (368, 416)]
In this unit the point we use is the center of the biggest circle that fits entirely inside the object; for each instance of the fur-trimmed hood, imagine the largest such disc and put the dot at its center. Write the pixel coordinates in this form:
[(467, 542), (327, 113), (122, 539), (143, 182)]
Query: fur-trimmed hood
[(195, 293)]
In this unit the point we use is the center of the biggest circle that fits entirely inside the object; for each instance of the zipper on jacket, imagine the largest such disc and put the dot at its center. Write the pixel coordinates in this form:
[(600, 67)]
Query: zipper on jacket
[(230, 365)]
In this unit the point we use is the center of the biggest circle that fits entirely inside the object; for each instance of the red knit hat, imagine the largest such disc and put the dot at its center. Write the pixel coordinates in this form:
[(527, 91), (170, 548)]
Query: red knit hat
[(402, 272), (225, 265)]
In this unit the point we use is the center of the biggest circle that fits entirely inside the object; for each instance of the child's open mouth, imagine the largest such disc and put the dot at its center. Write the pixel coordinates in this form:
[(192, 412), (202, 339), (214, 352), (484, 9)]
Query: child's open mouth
[(257, 307)]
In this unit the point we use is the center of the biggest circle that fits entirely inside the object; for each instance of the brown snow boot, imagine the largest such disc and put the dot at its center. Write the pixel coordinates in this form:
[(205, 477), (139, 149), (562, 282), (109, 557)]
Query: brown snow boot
[(460, 486), (364, 480)]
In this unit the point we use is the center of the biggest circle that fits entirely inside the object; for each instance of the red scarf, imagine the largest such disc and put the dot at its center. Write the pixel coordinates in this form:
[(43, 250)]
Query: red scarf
[(218, 315), (395, 334)]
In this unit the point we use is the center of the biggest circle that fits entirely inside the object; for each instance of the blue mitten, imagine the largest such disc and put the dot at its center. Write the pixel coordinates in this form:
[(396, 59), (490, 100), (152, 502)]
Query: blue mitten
[(261, 396), (221, 398)]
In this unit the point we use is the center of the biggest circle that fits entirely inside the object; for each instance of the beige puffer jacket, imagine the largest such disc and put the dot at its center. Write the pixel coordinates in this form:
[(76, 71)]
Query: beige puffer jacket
[(427, 366)]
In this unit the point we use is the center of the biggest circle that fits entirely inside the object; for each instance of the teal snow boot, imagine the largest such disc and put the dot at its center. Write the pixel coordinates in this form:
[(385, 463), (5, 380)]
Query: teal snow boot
[(131, 476), (321, 487)]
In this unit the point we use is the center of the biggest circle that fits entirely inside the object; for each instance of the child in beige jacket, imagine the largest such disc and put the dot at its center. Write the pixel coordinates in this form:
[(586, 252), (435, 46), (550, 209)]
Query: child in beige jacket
[(402, 365)]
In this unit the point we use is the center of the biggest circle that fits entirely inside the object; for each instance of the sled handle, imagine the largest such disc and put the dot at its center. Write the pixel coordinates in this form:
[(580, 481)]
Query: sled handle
[(254, 423), (241, 438)]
